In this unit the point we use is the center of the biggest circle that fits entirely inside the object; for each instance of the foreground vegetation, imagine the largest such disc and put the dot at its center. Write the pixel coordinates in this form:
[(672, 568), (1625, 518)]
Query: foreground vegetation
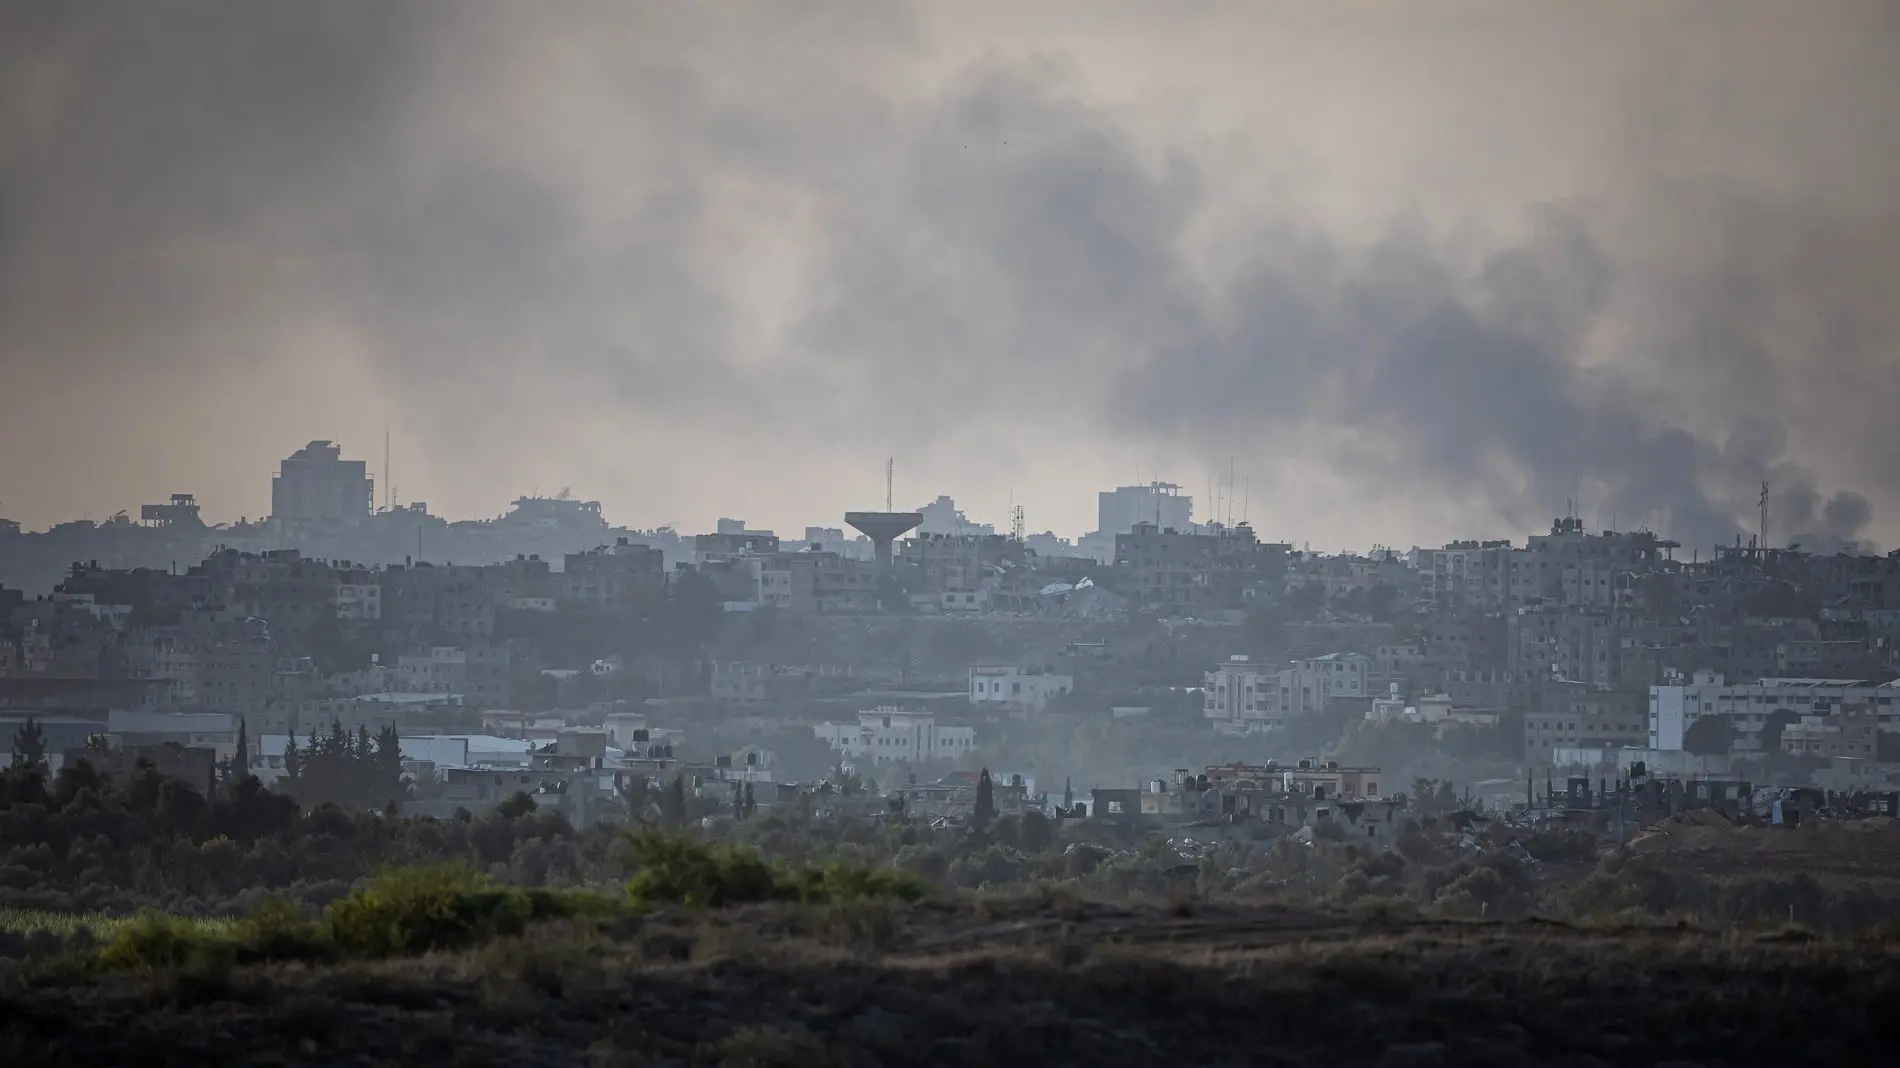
[(409, 911), (1052, 980), (81, 854), (146, 923)]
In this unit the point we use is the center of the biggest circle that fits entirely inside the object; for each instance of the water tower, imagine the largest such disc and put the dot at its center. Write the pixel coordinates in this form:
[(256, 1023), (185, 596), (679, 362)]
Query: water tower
[(883, 528)]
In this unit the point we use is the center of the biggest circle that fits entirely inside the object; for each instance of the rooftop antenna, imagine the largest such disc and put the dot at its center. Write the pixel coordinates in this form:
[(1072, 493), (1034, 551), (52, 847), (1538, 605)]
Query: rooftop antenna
[(1762, 530), (890, 467), (1246, 497), (389, 494)]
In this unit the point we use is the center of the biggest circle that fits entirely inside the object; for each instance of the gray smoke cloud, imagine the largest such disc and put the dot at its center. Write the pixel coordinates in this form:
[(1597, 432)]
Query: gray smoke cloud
[(1465, 263)]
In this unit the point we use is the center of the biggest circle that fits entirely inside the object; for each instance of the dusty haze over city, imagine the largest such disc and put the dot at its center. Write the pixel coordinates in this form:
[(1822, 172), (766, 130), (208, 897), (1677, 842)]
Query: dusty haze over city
[(1415, 271)]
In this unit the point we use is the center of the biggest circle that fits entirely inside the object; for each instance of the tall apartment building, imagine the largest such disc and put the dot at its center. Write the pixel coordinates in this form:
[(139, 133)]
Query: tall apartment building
[(1161, 504), (315, 484)]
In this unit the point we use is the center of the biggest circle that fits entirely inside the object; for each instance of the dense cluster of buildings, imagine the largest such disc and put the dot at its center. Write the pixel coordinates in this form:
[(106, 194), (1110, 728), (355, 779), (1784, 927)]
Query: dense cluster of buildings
[(1591, 648)]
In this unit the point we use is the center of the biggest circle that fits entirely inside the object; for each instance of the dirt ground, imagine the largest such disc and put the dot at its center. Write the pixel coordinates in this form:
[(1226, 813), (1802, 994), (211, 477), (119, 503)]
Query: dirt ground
[(1040, 984), (1707, 841)]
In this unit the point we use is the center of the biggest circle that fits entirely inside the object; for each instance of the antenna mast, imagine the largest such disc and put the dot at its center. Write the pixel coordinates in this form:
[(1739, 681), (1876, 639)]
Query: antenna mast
[(890, 466), (1761, 531), (1017, 528), (389, 491)]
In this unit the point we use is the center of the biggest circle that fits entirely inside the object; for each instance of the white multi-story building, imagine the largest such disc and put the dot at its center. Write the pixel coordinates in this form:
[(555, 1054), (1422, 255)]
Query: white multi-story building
[(1674, 707), (1242, 696), (1159, 503), (890, 733), (1016, 689), (1309, 684)]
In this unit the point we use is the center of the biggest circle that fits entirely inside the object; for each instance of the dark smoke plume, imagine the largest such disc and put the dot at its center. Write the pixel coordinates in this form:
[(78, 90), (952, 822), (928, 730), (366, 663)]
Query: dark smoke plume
[(1480, 262)]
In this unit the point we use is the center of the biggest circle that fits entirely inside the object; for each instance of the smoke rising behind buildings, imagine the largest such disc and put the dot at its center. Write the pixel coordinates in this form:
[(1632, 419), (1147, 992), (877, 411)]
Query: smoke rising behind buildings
[(1416, 269)]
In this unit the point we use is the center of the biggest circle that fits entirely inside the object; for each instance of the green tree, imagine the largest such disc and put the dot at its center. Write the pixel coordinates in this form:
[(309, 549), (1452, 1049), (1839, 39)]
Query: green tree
[(1303, 601), (29, 745), (1037, 835), (386, 764), (674, 809), (241, 756), (985, 811), (1709, 736), (1771, 729)]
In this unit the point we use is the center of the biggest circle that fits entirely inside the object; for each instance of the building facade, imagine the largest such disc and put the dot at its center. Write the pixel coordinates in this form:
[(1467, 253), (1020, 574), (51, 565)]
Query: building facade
[(316, 485), (1015, 689), (889, 733)]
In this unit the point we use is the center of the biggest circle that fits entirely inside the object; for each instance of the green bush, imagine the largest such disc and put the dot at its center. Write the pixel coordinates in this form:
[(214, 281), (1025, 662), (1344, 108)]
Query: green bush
[(279, 929), (674, 870), (162, 942), (414, 910), (836, 882)]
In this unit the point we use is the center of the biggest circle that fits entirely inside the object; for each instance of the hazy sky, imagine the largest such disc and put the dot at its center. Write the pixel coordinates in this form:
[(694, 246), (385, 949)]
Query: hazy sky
[(1415, 269)]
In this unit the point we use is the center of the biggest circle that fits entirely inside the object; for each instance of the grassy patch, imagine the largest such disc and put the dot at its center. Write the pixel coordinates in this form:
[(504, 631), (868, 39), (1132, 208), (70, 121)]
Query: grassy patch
[(412, 911), (681, 871), (408, 911), (66, 925)]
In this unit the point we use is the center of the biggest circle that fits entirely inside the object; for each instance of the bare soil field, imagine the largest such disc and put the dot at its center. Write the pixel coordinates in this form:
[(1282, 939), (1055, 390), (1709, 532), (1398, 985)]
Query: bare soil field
[(1707, 842), (987, 984)]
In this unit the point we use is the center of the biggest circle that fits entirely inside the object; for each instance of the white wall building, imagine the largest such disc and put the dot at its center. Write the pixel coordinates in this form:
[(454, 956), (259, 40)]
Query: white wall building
[(1016, 689), (890, 733), (1242, 696), (1160, 503), (1674, 707), (1307, 685)]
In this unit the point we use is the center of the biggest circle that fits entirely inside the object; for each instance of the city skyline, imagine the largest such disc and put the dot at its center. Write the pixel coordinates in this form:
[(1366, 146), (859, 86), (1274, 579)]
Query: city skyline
[(1218, 503), (1504, 259)]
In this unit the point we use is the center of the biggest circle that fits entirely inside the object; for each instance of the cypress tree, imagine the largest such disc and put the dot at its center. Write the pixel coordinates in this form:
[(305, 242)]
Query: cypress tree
[(985, 811), (241, 759), (29, 745)]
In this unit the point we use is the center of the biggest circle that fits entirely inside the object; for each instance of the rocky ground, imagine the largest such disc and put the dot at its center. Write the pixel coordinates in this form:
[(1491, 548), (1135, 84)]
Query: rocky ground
[(1046, 983)]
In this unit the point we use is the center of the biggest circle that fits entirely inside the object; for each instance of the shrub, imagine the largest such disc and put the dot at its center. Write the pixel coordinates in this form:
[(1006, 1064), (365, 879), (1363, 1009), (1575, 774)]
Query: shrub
[(835, 882), (277, 929), (675, 870), (161, 942), (414, 910)]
